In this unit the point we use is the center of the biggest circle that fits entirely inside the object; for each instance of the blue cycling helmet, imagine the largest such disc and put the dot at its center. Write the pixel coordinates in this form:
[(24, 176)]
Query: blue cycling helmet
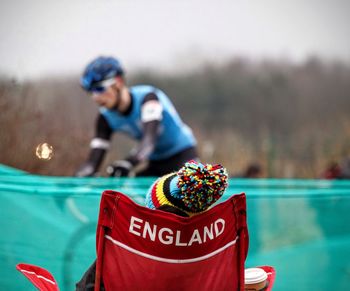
[(100, 69)]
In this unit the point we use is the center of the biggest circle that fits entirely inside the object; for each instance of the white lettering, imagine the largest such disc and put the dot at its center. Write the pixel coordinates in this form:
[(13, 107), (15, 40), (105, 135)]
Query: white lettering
[(133, 225), (216, 225), (208, 233), (195, 238), (151, 233), (165, 235), (169, 237), (178, 238)]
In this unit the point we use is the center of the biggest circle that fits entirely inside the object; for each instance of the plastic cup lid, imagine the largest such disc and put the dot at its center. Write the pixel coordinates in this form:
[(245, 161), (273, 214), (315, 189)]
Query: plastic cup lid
[(254, 275)]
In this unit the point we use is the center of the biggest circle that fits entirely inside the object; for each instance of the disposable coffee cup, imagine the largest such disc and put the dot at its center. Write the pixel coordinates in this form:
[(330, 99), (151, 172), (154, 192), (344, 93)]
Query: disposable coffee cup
[(255, 279)]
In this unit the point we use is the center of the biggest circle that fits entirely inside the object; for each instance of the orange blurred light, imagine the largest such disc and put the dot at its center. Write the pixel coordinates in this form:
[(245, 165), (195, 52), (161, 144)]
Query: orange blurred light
[(44, 151)]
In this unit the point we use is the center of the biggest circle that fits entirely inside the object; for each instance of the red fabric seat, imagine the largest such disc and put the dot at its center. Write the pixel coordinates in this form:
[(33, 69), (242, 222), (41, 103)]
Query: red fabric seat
[(140, 248)]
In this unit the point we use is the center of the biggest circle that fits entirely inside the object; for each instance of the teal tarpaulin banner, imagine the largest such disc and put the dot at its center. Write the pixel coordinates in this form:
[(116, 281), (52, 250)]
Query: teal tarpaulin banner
[(301, 227)]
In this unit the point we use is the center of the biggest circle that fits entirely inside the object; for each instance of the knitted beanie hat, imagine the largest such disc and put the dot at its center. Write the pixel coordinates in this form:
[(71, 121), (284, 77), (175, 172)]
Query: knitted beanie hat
[(193, 189)]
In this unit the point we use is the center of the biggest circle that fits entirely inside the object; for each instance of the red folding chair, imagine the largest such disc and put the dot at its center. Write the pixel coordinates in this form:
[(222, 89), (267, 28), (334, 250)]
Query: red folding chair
[(142, 249)]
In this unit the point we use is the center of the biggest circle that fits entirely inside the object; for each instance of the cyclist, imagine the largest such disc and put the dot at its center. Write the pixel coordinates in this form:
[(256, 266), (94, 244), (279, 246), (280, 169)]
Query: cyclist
[(143, 112)]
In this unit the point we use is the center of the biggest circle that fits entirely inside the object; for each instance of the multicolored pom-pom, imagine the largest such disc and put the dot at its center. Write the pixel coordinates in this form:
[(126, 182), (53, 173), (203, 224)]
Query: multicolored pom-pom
[(201, 185)]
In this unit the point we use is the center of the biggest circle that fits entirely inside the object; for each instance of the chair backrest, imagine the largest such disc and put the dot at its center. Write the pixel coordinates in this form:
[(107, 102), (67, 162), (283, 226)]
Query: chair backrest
[(140, 248)]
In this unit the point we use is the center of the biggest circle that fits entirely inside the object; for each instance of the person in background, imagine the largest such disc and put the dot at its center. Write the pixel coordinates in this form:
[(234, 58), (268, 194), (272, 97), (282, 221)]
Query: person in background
[(337, 170), (143, 112), (190, 191), (332, 171), (253, 170)]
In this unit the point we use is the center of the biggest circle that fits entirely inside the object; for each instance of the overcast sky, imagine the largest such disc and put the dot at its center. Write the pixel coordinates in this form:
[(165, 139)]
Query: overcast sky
[(39, 37)]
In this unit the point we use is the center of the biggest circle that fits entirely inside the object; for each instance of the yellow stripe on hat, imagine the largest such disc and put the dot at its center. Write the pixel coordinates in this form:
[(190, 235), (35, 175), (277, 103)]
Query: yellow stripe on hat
[(162, 198), (160, 191)]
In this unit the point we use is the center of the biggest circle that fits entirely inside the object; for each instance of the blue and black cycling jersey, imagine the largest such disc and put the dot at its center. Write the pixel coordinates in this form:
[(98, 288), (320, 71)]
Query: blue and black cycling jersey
[(173, 134)]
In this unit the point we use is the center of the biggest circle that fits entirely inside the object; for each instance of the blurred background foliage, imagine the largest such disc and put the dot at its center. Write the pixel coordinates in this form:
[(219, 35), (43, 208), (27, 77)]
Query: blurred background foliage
[(291, 118)]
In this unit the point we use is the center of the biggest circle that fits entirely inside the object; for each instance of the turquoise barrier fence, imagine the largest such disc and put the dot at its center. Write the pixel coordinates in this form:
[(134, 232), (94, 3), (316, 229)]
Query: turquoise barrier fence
[(301, 227)]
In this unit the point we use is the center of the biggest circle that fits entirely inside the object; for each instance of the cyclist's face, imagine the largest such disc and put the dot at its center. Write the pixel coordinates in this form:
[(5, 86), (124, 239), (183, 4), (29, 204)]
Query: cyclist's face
[(107, 98)]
